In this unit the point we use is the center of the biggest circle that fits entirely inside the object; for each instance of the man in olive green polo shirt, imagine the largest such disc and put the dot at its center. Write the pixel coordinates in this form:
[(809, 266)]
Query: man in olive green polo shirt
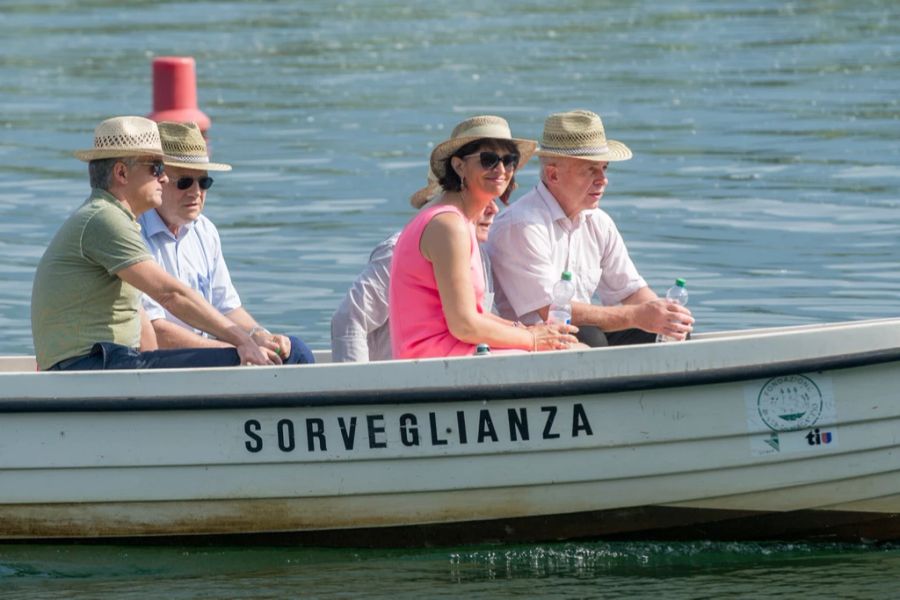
[(86, 299)]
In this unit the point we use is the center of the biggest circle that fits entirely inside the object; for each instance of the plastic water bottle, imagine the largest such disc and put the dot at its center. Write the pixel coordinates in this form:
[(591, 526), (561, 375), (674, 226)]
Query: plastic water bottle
[(482, 350), (561, 306), (677, 294)]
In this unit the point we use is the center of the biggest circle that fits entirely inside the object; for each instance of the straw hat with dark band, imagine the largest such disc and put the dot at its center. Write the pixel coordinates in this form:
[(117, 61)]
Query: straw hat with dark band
[(470, 130), (580, 134), (121, 137), (185, 147), (476, 128)]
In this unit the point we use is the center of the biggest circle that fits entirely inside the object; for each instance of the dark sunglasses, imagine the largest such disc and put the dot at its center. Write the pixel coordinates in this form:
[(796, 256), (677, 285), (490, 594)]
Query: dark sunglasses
[(489, 159), (184, 183), (157, 168)]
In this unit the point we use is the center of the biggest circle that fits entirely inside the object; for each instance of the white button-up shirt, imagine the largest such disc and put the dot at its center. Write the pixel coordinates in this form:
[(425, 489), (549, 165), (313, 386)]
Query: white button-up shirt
[(360, 330), (533, 242), (195, 258)]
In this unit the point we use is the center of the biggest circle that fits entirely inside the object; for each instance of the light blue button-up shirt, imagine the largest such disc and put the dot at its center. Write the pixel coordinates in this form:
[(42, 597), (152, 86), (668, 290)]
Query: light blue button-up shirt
[(195, 258)]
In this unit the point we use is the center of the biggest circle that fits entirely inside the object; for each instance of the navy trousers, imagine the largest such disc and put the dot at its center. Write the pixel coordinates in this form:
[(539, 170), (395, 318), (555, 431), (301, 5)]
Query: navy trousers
[(595, 338), (106, 355)]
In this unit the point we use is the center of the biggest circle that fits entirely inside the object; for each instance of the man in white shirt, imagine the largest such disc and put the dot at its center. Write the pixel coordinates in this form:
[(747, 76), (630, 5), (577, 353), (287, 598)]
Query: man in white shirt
[(559, 227), (360, 331), (186, 244)]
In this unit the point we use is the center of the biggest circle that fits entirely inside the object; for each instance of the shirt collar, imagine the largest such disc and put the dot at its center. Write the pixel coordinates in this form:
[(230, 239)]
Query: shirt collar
[(550, 202), (153, 225), (556, 210)]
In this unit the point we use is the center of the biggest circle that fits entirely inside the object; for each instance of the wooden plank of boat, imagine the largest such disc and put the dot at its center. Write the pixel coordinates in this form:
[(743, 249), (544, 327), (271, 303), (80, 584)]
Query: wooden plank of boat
[(771, 433)]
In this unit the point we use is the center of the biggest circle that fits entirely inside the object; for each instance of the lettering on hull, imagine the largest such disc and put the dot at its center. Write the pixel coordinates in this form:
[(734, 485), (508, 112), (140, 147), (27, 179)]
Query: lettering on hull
[(371, 432)]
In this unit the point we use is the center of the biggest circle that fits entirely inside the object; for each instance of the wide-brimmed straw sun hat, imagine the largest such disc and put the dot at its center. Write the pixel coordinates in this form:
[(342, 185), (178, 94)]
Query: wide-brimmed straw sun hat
[(123, 136), (580, 134), (431, 189), (474, 128), (185, 147)]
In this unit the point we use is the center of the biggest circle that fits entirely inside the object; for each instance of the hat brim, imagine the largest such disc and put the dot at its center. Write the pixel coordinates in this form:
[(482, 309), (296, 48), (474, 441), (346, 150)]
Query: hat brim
[(421, 197), (104, 153), (445, 150), (616, 151), (169, 162)]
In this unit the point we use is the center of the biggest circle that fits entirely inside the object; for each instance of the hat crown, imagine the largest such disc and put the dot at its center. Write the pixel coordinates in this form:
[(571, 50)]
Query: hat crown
[(577, 130), (483, 126), (181, 140), (476, 128), (127, 133), (186, 148)]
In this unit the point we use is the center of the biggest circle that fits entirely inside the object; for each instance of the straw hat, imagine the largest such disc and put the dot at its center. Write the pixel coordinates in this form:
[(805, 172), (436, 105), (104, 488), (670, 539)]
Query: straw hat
[(123, 136), (476, 128), (431, 189), (580, 134), (185, 147)]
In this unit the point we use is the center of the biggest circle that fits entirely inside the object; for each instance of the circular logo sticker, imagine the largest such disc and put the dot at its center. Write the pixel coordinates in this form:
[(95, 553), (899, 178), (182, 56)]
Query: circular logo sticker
[(790, 403)]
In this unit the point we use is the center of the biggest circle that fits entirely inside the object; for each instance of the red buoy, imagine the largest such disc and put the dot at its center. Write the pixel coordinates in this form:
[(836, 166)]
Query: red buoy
[(175, 91)]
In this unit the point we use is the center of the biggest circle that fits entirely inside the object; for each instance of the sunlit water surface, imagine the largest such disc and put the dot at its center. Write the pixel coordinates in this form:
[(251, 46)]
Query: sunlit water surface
[(766, 163)]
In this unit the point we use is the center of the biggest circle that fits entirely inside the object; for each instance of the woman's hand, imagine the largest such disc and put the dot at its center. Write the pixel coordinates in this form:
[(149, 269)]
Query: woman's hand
[(554, 336)]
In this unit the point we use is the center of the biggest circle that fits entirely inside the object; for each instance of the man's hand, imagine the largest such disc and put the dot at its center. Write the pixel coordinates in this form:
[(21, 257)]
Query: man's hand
[(276, 347), (667, 318), (251, 354)]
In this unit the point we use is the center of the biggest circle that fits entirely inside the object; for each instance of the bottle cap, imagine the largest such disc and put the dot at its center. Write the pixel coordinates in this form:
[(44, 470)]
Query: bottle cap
[(566, 276), (680, 282)]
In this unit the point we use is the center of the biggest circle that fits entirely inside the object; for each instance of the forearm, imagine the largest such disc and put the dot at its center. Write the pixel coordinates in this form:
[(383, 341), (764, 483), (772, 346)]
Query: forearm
[(611, 318), (172, 335), (242, 318), (606, 318), (498, 319), (495, 332), (190, 307)]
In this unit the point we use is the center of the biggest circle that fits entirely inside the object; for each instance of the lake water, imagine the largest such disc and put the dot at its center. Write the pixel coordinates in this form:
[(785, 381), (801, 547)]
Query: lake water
[(766, 162)]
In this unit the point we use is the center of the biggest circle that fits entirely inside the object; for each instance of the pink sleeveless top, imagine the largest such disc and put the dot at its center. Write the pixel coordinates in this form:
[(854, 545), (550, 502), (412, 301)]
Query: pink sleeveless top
[(418, 326)]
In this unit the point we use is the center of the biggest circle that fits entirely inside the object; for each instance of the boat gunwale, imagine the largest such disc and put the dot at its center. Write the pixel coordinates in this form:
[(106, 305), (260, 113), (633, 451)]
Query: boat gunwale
[(442, 395)]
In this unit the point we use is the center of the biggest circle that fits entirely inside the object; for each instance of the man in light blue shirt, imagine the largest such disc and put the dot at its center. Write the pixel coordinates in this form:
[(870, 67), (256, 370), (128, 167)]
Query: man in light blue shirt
[(187, 245)]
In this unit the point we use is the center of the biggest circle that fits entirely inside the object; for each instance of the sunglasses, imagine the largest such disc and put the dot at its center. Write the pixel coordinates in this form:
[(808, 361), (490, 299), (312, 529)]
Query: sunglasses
[(489, 159), (157, 168), (184, 183)]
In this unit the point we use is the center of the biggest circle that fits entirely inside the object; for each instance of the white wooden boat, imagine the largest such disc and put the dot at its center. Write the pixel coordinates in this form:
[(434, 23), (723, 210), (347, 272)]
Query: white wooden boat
[(772, 433)]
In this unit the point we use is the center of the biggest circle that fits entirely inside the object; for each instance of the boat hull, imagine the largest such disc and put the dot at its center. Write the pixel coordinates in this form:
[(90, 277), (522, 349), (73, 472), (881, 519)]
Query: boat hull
[(690, 440)]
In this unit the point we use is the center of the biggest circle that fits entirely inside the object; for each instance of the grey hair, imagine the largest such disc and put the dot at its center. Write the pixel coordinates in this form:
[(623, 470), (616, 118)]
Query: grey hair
[(545, 162), (548, 160), (100, 170)]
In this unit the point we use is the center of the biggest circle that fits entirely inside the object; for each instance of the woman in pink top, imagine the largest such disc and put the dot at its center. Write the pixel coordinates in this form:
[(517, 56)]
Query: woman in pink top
[(437, 283)]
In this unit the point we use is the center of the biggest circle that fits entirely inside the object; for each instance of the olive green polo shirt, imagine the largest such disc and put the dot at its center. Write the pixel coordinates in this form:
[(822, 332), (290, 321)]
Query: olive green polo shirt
[(77, 299)]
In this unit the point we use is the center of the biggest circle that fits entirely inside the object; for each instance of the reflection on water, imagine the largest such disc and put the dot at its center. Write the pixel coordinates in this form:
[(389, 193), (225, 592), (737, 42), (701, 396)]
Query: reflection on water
[(671, 570)]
